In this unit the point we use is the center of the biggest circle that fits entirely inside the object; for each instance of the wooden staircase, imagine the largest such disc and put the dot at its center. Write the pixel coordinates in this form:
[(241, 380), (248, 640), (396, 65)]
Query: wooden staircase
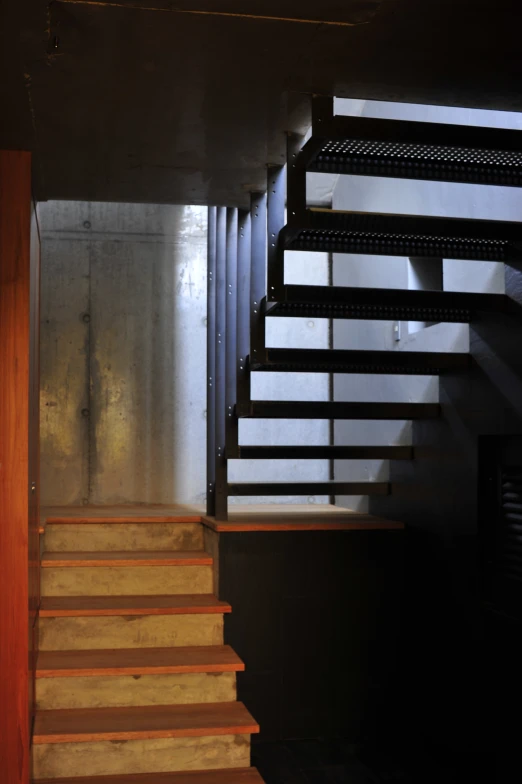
[(134, 684)]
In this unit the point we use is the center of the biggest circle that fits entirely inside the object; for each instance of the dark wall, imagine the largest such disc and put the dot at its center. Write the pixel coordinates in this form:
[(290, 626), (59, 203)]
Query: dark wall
[(316, 616), (455, 650)]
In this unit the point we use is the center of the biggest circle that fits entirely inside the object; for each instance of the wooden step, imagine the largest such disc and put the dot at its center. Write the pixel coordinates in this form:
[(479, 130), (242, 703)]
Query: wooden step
[(126, 573), (143, 722), (88, 606), (138, 661), (118, 678), (283, 409), (223, 776), (126, 558), (122, 519)]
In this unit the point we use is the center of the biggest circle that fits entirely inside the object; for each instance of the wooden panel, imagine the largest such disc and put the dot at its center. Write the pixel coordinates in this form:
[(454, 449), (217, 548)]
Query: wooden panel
[(223, 776), (84, 606), (145, 721), (145, 558), (15, 226), (138, 661)]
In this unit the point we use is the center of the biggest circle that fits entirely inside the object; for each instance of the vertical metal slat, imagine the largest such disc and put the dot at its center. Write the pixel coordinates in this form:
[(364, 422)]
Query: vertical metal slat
[(257, 275), (211, 362), (243, 305), (275, 222), (231, 423), (220, 344)]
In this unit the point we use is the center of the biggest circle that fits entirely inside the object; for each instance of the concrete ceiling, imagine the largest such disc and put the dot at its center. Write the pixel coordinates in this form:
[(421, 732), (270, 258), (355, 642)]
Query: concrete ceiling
[(186, 102)]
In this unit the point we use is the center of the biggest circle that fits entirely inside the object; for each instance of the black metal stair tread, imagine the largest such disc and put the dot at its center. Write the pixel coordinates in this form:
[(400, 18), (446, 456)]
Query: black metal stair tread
[(279, 409), (359, 361), (403, 235), (416, 150), (324, 453), (386, 304), (308, 488)]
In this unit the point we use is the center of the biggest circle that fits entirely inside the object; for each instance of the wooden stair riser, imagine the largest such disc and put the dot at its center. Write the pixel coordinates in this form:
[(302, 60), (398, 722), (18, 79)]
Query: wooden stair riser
[(130, 631), (133, 690), (108, 537), (140, 756), (125, 580)]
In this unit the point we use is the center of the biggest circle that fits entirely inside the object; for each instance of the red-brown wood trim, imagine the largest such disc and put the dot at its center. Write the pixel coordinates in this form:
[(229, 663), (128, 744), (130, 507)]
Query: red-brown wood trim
[(15, 405)]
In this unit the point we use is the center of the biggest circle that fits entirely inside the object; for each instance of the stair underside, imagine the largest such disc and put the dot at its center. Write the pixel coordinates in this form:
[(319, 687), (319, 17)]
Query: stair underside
[(138, 661), (307, 488), (357, 361), (330, 231), (88, 606), (145, 721), (415, 150), (276, 409), (222, 776), (323, 453), (385, 304)]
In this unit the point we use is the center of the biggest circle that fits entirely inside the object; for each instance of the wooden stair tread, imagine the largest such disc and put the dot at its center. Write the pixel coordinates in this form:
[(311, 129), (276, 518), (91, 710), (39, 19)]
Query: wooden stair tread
[(128, 558), (138, 661), (122, 520), (144, 721), (181, 604), (221, 776)]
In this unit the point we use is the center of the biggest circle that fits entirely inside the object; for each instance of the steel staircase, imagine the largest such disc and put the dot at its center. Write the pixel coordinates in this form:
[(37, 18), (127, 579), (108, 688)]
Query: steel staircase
[(246, 284)]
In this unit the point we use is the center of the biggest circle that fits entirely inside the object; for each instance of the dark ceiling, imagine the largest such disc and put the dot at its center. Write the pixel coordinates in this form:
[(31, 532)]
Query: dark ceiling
[(186, 102)]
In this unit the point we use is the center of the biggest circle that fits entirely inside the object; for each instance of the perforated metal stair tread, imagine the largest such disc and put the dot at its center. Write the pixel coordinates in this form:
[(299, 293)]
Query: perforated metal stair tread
[(222, 776), (358, 361), (386, 304), (138, 661), (87, 606), (144, 721), (277, 409), (307, 488), (334, 231), (415, 150), (324, 453), (128, 558)]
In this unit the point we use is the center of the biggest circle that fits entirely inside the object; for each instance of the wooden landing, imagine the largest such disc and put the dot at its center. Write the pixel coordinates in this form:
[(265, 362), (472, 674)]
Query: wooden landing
[(312, 517), (242, 517)]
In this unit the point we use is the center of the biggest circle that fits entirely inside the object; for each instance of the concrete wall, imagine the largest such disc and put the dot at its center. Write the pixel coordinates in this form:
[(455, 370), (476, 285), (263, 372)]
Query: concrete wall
[(123, 353), (373, 194), (124, 359)]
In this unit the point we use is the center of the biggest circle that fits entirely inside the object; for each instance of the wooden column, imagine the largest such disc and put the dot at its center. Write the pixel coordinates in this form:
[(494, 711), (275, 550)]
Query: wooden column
[(18, 457)]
